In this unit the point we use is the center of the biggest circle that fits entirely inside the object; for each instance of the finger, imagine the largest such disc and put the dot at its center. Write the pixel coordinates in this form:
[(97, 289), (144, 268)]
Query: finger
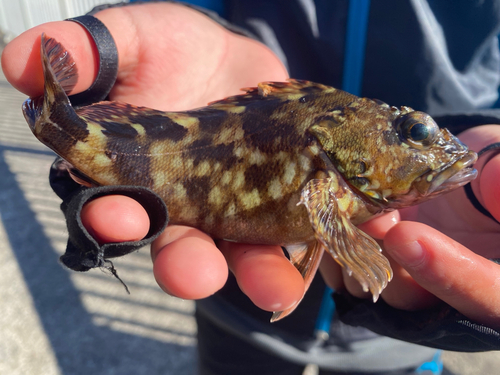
[(264, 274), (187, 264), (331, 272), (485, 187), (378, 227), (21, 57), (489, 186), (461, 278), (404, 293), (115, 218)]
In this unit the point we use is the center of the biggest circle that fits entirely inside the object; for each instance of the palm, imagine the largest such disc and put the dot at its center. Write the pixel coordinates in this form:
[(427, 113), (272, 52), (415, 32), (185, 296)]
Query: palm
[(168, 71), (455, 216)]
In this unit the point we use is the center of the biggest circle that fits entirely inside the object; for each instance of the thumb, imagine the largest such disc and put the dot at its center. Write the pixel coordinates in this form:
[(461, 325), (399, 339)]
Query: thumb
[(447, 269)]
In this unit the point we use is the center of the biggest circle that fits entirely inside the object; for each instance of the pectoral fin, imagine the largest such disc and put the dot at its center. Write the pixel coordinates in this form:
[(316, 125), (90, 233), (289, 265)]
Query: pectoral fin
[(328, 204), (306, 259)]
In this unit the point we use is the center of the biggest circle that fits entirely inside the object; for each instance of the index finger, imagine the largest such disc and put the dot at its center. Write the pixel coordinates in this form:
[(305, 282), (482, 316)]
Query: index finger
[(21, 57)]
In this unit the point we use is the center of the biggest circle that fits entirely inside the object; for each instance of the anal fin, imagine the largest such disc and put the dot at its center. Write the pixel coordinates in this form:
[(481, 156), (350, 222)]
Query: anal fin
[(306, 259)]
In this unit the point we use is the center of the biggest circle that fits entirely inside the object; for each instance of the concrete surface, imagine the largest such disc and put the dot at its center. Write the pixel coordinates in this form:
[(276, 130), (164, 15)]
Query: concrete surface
[(55, 321)]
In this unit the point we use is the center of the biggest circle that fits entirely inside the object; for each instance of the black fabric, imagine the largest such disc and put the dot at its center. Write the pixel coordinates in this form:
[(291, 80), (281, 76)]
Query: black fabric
[(223, 353), (442, 327), (108, 62), (83, 251), (489, 151)]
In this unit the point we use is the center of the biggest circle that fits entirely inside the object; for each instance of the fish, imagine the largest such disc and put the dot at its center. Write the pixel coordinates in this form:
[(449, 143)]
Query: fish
[(296, 164)]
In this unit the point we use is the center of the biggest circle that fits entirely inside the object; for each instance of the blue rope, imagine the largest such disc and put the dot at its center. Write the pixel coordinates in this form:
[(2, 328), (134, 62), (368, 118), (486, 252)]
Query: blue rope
[(357, 24)]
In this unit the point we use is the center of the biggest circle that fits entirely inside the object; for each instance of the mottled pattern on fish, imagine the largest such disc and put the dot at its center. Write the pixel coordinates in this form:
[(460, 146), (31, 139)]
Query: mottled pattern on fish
[(296, 163)]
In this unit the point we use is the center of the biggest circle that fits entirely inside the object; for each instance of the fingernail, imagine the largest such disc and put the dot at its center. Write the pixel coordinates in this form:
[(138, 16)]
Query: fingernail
[(411, 254)]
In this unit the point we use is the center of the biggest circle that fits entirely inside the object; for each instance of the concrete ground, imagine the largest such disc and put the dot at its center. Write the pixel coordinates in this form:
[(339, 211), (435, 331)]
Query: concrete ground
[(55, 321)]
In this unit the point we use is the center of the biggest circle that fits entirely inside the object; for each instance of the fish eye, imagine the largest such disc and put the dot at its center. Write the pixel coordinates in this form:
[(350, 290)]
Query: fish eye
[(418, 132)]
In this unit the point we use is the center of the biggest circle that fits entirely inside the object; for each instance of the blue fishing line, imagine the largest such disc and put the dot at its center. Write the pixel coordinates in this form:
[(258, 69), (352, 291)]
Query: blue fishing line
[(357, 24)]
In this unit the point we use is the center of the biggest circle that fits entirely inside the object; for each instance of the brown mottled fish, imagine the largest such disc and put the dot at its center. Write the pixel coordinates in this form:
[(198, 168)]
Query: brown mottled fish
[(296, 164)]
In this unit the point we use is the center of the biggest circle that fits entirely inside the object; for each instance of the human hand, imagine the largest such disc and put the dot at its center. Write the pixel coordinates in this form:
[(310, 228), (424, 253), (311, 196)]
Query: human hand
[(170, 58), (442, 253)]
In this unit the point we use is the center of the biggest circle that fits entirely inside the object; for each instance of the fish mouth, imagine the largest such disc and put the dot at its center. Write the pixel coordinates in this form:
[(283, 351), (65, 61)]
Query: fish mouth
[(449, 177)]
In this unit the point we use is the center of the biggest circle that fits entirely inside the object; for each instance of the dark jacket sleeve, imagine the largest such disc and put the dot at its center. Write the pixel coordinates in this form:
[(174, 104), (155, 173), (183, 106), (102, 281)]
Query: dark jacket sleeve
[(442, 327)]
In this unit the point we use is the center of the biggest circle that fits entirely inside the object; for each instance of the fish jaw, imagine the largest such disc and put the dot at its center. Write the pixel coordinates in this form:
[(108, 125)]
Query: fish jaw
[(437, 182), (460, 173)]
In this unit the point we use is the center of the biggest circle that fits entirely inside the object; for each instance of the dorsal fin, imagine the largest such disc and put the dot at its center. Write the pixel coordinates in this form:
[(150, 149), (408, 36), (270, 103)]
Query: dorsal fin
[(292, 88), (58, 64)]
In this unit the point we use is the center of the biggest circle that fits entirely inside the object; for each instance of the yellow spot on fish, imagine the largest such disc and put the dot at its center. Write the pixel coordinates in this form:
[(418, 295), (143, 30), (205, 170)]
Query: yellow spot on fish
[(239, 180), (203, 169), (257, 157), (289, 173), (215, 196), (333, 184), (314, 149), (239, 133), (216, 167), (281, 156), (239, 151), (83, 147), (177, 162), (275, 189), (388, 169), (179, 190), (429, 178), (102, 160), (184, 120), (344, 202), (225, 136), (159, 180), (250, 200), (139, 128), (305, 163), (236, 109), (188, 164), (226, 177), (373, 194)]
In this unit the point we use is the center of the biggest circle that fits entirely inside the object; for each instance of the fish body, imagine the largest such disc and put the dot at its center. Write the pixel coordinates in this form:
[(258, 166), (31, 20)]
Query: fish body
[(296, 164)]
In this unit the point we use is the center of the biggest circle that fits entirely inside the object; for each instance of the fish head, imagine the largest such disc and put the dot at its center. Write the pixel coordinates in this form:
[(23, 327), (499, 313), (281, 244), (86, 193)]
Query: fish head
[(397, 157)]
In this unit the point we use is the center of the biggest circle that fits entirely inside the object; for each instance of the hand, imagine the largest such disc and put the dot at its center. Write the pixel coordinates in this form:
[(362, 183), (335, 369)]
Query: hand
[(170, 58), (442, 253)]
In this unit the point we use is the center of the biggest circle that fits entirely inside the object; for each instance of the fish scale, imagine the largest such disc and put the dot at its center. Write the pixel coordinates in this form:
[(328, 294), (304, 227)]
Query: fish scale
[(296, 164)]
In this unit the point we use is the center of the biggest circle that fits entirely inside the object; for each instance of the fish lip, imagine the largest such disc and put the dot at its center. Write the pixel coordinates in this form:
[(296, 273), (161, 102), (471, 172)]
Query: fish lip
[(449, 177)]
